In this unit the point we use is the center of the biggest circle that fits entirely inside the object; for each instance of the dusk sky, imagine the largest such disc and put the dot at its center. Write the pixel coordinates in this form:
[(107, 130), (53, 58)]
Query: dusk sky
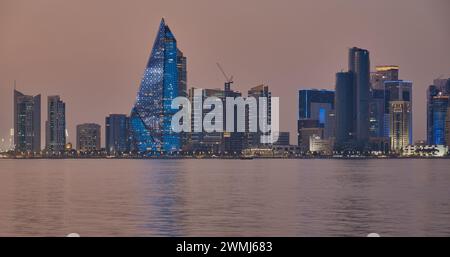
[(93, 52)]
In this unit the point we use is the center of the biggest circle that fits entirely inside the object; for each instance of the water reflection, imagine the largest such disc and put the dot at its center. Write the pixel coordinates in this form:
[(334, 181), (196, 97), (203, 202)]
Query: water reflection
[(224, 197)]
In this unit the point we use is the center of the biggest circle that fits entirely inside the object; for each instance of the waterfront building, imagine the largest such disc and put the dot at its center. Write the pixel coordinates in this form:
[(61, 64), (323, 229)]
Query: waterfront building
[(425, 150), (117, 134), (320, 146), (447, 127), (400, 113), (306, 128), (318, 105), (151, 116), (345, 129), (437, 106), (378, 104), (27, 122), (55, 126), (88, 137), (253, 139), (200, 141), (359, 66), (397, 90)]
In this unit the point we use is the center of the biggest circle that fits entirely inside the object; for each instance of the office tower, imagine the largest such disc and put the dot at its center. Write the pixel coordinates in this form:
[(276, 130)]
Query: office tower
[(345, 129), (439, 107), (307, 128), (383, 73), (398, 90), (253, 139), (432, 91), (151, 116), (182, 73), (400, 124), (233, 141), (27, 122), (447, 127), (200, 141), (283, 138), (378, 121), (88, 137), (437, 104), (55, 126), (359, 66), (117, 134), (318, 105)]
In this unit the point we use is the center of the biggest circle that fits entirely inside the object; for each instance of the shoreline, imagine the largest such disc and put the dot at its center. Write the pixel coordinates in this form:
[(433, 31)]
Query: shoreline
[(224, 158)]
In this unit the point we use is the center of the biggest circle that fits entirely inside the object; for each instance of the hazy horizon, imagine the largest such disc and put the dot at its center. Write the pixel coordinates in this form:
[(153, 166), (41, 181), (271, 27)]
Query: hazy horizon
[(93, 53)]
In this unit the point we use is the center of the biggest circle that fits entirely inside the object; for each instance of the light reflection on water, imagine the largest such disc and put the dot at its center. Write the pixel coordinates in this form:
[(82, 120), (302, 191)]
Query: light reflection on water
[(224, 197)]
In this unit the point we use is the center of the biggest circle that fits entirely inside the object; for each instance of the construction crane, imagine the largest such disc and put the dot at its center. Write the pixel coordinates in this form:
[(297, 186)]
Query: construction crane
[(228, 80)]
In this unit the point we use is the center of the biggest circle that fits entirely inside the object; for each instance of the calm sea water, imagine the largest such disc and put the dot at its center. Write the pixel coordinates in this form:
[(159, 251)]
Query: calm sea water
[(224, 197)]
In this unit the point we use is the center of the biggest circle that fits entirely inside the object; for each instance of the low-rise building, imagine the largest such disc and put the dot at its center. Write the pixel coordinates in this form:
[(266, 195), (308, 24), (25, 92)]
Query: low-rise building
[(425, 150)]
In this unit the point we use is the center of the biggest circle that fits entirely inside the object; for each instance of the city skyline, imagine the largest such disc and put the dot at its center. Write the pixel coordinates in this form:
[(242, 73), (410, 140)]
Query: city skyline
[(80, 91)]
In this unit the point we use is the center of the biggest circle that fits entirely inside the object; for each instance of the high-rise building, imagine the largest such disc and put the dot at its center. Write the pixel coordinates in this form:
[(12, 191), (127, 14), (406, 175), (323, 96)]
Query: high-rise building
[(182, 89), (400, 113), (233, 141), (117, 134), (437, 106), (88, 137), (151, 116), (397, 90), (27, 122), (447, 127), (383, 73), (318, 105), (253, 139), (55, 126), (345, 129), (378, 108), (199, 140), (359, 66)]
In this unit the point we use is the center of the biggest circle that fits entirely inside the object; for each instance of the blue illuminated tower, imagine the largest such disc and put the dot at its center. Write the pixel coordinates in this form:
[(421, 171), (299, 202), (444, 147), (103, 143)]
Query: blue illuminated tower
[(150, 119)]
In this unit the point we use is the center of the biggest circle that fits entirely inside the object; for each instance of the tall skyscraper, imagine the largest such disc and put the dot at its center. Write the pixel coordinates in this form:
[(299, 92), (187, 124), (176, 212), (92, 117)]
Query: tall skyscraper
[(55, 126), (318, 105), (117, 134), (151, 116), (437, 107), (199, 140), (345, 125), (233, 141), (359, 66), (400, 113), (378, 106), (27, 122), (398, 90), (253, 139), (447, 127), (88, 137)]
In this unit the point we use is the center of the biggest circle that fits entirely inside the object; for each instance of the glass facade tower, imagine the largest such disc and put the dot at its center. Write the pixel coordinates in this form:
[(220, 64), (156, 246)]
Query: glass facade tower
[(27, 122), (150, 119), (55, 126)]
